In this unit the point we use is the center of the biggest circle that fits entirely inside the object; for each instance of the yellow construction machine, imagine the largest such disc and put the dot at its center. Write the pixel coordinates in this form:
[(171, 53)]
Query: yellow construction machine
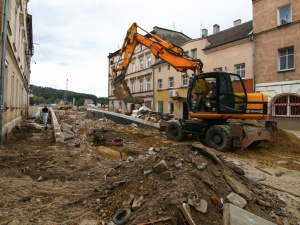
[(214, 99)]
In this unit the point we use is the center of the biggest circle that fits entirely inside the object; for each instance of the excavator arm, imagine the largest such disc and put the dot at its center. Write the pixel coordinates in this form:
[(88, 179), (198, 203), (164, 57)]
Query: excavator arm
[(160, 49)]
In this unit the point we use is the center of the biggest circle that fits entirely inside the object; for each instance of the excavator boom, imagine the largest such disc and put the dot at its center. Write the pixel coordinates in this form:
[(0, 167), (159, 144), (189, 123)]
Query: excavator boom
[(160, 48)]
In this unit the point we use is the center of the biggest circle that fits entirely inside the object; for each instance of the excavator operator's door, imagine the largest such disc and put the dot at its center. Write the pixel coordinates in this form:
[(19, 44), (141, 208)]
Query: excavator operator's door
[(216, 93)]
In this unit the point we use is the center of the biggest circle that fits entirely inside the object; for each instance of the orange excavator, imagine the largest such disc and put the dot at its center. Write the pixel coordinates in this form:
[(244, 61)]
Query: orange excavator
[(217, 101)]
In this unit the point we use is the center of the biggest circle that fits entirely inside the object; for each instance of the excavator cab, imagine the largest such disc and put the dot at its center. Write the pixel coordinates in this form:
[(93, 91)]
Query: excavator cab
[(217, 93)]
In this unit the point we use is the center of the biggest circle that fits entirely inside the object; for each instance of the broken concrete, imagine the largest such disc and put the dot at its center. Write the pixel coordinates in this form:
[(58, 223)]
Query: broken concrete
[(234, 215)]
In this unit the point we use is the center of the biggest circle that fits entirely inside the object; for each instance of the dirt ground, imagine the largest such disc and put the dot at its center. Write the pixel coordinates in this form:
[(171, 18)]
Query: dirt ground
[(85, 181)]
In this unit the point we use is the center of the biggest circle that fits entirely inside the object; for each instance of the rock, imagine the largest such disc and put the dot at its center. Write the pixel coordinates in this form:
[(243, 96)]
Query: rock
[(238, 187), (160, 167), (146, 172), (130, 159), (137, 202), (200, 205), (112, 172), (167, 175), (235, 215), (264, 203), (236, 200), (206, 152), (129, 200)]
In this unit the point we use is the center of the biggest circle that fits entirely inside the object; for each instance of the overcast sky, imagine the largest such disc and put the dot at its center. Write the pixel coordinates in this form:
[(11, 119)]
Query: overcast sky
[(73, 38)]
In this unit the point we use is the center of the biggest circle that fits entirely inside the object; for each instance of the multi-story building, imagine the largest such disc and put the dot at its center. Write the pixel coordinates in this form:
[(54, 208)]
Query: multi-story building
[(276, 27), (16, 53), (139, 76)]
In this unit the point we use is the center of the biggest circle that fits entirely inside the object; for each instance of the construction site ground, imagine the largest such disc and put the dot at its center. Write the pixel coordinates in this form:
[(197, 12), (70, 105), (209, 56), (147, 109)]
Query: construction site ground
[(86, 180)]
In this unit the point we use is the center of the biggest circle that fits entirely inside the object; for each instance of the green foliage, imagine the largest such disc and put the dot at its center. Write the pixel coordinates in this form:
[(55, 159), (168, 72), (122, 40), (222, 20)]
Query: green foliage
[(80, 102), (50, 95)]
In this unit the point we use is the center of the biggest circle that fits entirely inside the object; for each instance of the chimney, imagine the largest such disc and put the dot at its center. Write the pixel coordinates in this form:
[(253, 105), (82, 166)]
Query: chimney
[(237, 22), (204, 33), (216, 28)]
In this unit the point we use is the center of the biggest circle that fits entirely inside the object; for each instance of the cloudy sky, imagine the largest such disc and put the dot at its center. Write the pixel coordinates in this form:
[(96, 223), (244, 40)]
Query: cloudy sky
[(73, 38)]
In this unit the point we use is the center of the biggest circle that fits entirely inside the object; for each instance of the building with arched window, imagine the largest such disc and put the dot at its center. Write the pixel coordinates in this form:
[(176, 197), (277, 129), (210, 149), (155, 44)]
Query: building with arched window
[(276, 28)]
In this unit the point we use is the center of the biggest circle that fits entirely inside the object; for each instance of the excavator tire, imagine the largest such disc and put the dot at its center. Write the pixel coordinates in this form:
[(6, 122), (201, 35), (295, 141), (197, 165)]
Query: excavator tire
[(174, 131), (219, 138)]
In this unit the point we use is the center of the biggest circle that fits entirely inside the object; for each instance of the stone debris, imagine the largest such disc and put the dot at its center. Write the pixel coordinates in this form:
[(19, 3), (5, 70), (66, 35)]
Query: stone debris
[(160, 167), (238, 187), (236, 200)]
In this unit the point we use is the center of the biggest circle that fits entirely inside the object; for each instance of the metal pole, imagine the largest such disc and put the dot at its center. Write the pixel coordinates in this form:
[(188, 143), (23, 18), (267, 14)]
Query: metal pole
[(4, 42)]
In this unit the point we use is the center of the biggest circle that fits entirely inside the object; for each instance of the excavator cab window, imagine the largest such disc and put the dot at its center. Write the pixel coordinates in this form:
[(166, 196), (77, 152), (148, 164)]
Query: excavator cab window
[(217, 92)]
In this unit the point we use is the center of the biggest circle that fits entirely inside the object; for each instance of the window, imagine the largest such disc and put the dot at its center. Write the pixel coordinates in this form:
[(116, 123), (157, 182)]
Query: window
[(186, 53), (147, 84), (194, 53), (120, 104), (159, 69), (169, 67), (141, 63), (132, 66), (148, 61), (12, 97), (240, 70), (160, 84), (112, 89), (171, 108), (184, 80), (286, 106), (141, 84), (286, 59), (284, 15), (132, 87), (160, 107), (171, 82)]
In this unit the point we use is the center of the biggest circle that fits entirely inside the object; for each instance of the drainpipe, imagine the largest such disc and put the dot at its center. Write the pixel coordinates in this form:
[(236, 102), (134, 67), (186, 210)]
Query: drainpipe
[(4, 40), (251, 37)]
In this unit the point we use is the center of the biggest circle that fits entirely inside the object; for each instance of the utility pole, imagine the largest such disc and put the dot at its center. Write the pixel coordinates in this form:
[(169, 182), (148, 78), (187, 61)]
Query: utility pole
[(66, 92)]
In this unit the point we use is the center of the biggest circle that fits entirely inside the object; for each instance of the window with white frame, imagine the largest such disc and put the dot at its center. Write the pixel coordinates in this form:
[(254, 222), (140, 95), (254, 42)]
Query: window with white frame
[(12, 93), (240, 70), (171, 82), (112, 89), (286, 106), (148, 104), (194, 53), (186, 53), (171, 108), (148, 61), (160, 84), (132, 66), (160, 106), (132, 87), (141, 85), (147, 84), (284, 15), (184, 80), (141, 63), (286, 59)]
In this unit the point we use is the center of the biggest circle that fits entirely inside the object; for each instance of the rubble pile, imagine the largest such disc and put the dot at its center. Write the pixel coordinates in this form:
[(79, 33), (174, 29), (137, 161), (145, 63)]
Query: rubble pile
[(146, 180)]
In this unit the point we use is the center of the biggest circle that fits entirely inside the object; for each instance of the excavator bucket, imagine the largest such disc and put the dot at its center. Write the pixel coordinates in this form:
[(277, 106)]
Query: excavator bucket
[(245, 134), (123, 93)]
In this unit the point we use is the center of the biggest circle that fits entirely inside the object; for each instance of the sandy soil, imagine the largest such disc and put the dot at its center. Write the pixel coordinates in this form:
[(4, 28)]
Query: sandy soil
[(85, 181)]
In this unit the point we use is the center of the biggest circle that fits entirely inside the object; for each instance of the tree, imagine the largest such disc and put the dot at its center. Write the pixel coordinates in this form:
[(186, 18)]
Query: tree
[(80, 102)]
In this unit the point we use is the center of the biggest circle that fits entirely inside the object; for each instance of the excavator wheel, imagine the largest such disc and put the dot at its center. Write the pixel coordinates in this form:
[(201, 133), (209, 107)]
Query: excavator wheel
[(219, 138), (174, 131)]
